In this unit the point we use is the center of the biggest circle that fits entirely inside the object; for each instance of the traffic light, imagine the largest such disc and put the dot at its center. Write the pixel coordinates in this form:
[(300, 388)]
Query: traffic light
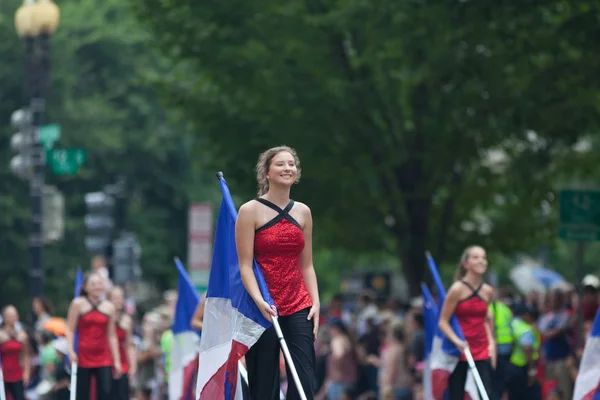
[(99, 222), (53, 222), (126, 253), (21, 143)]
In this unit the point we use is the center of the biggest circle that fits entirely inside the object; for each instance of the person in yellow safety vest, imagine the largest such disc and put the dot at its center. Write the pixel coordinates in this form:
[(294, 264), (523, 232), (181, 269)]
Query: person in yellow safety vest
[(522, 381), (502, 317)]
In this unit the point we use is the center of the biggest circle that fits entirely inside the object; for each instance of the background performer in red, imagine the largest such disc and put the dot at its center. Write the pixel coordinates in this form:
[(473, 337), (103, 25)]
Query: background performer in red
[(97, 354), (127, 353), (15, 353)]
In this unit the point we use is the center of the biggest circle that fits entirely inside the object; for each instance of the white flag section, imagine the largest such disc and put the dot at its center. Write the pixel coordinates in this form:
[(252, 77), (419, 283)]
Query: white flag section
[(587, 385), (471, 386), (232, 322), (442, 364)]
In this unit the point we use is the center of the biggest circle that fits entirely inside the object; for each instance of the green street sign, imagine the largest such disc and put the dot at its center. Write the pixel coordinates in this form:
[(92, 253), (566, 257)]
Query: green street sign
[(65, 161), (579, 236), (580, 215), (48, 134)]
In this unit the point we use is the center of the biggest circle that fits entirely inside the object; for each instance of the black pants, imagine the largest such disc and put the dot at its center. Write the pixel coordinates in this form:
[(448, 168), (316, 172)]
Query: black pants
[(262, 360), (458, 378), (120, 388), (245, 394), (519, 387), (15, 389), (500, 376), (104, 382)]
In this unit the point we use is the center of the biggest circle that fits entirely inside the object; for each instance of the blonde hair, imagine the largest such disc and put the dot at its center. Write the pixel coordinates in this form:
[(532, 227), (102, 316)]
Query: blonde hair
[(264, 163), (461, 271), (113, 290)]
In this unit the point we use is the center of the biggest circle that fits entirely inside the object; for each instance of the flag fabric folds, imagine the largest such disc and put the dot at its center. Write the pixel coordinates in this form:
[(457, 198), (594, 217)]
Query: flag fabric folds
[(185, 340), (232, 322), (444, 356), (587, 385), (430, 320)]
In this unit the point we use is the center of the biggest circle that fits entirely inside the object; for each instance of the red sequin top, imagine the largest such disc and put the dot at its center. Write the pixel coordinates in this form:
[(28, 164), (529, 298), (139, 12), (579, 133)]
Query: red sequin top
[(471, 314), (277, 248), (10, 351), (122, 337), (93, 349)]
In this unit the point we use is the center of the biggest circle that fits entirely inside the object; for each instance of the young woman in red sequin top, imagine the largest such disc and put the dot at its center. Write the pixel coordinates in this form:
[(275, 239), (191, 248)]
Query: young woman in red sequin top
[(97, 349), (468, 299), (15, 354), (277, 232)]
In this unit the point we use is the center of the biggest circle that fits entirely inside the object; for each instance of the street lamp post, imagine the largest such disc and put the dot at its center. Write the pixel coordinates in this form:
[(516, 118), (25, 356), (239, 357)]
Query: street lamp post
[(36, 21)]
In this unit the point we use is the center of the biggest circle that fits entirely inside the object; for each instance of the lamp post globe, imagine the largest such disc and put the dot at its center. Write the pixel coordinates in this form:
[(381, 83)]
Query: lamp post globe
[(46, 16), (24, 19)]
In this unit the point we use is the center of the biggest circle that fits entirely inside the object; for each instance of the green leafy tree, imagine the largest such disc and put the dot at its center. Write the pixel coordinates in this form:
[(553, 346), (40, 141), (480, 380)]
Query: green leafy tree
[(395, 107)]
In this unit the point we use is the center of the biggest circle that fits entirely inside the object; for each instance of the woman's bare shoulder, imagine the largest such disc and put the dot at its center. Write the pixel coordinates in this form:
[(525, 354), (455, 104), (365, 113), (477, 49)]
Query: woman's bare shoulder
[(302, 207), (22, 336), (248, 207), (487, 291), (79, 302), (457, 288)]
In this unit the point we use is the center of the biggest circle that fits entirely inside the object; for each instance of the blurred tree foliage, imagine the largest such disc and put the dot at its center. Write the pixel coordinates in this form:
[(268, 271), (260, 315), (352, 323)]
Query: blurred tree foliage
[(100, 61), (436, 124), (419, 125)]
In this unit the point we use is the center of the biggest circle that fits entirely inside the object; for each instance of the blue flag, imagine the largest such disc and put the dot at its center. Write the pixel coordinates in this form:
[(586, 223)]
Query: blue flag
[(444, 354), (587, 385), (447, 344), (184, 363), (232, 321), (430, 318)]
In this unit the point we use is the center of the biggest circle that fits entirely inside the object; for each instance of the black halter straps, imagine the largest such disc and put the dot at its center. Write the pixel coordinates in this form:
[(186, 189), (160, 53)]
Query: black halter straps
[(94, 306), (283, 213), (474, 290)]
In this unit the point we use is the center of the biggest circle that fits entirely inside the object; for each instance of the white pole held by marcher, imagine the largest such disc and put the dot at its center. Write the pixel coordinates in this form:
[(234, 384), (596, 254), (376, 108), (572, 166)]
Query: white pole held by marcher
[(73, 393), (288, 358), (476, 376), (2, 390)]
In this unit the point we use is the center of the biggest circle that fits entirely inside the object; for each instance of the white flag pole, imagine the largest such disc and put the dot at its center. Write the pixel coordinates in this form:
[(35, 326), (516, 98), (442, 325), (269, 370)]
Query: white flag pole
[(476, 376), (73, 386)]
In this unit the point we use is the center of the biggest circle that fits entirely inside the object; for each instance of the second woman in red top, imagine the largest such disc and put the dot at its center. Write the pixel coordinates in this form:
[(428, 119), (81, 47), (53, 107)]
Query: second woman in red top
[(468, 299), (124, 327), (97, 349), (14, 354)]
